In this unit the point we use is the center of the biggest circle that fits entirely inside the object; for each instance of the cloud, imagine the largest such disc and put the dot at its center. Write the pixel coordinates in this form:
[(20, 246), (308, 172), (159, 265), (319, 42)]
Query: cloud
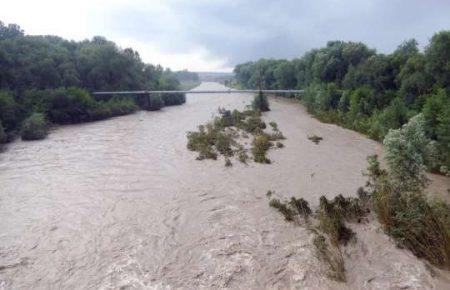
[(216, 35)]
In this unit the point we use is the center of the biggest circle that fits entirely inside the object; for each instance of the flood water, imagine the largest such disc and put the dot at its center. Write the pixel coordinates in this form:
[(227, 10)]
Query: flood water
[(122, 203)]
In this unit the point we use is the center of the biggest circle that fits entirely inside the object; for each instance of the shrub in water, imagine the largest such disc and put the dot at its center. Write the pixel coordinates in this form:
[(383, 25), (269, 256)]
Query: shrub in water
[(223, 144), (316, 139), (173, 99), (332, 222), (155, 103), (228, 162), (333, 259), (301, 206), (292, 209), (253, 124), (261, 144), (261, 103), (283, 208), (34, 127)]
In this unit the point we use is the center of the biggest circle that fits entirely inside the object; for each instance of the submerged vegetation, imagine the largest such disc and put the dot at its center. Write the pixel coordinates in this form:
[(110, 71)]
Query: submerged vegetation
[(315, 139), (53, 77), (352, 85), (225, 134), (328, 225), (398, 199)]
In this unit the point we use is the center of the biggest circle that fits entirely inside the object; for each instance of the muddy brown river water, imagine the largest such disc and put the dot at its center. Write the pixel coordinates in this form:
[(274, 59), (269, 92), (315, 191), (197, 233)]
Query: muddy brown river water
[(122, 203)]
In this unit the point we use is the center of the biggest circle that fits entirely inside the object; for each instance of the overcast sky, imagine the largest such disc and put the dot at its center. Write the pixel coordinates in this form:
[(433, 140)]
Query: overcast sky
[(214, 35)]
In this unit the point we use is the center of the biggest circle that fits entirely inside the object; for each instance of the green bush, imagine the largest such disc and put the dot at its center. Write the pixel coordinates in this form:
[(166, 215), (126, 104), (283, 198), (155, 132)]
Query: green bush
[(420, 225), (261, 103), (34, 127), (9, 111), (100, 111), (173, 99), (155, 103), (70, 105), (2, 134), (121, 106)]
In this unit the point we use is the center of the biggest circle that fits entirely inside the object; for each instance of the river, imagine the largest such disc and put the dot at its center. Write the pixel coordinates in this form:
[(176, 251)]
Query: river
[(122, 203)]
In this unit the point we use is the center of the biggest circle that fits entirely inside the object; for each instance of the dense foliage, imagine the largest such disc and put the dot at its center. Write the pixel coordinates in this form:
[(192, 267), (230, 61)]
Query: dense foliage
[(34, 127), (54, 76), (352, 85)]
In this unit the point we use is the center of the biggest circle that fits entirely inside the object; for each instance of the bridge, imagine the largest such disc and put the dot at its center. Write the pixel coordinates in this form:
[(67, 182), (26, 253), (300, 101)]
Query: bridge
[(144, 97), (229, 91)]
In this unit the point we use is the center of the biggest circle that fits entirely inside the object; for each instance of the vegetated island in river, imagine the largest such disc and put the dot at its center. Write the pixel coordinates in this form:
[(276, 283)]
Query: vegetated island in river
[(229, 134)]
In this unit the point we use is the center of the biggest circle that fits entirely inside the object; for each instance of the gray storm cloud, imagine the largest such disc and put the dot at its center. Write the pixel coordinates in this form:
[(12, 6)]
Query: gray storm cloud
[(238, 30)]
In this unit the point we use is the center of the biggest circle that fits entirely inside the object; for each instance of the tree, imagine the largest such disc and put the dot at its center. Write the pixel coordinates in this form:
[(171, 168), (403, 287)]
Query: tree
[(285, 75), (407, 150), (438, 58), (10, 31), (413, 79)]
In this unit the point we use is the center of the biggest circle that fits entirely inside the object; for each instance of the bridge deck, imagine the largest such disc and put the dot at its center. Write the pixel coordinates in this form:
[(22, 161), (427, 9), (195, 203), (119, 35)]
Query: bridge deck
[(229, 91)]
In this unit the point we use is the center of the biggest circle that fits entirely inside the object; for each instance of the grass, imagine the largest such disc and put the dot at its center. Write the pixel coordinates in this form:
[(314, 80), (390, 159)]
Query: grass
[(221, 137)]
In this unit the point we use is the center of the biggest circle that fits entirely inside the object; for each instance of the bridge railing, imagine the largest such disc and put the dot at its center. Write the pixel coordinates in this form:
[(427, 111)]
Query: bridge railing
[(229, 91)]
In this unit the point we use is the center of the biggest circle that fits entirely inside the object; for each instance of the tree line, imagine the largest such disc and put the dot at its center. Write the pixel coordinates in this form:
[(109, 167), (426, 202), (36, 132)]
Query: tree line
[(188, 79), (350, 84), (53, 76)]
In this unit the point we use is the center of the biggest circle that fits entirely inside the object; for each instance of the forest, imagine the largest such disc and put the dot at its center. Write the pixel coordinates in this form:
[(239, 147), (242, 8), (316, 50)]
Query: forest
[(188, 80), (352, 85), (47, 79)]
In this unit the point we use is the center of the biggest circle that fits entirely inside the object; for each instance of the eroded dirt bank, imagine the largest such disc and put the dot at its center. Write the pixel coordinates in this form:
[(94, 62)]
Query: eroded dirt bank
[(123, 203)]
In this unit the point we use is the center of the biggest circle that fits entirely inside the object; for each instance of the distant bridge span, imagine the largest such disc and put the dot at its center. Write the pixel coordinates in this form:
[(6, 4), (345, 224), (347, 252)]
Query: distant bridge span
[(229, 91)]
